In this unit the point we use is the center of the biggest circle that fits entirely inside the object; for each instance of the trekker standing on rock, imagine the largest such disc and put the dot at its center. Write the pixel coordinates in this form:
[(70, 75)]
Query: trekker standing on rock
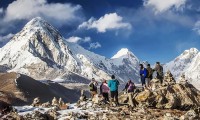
[(104, 89), (113, 85), (149, 76), (93, 87), (143, 74), (129, 87), (159, 69)]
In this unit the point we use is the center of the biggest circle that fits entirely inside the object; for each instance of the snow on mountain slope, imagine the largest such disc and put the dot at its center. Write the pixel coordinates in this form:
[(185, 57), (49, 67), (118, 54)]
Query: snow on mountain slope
[(127, 64), (121, 53), (187, 63), (193, 71), (123, 67), (39, 51), (180, 64)]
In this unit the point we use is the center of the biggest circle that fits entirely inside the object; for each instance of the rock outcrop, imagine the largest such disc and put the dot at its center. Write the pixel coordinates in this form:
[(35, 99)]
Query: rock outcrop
[(167, 101), (169, 95), (36, 102)]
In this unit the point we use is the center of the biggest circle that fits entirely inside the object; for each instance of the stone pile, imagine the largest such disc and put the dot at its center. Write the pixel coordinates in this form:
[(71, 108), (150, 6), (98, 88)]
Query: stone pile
[(183, 79), (168, 79), (169, 95)]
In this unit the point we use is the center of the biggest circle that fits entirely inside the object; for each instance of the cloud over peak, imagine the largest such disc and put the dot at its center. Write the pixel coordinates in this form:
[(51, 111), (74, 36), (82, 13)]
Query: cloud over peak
[(75, 39), (110, 21), (197, 27), (27, 9), (164, 5)]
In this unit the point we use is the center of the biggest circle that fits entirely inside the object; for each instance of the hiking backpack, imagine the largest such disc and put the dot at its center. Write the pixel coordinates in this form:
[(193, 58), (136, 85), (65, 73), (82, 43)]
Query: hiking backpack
[(91, 86), (131, 87)]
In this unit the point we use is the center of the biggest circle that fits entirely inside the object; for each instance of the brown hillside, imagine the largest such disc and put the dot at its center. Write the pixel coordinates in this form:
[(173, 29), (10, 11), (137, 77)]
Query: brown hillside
[(21, 89)]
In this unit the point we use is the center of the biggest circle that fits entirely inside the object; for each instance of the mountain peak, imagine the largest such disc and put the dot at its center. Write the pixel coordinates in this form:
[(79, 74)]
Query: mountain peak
[(194, 50), (191, 51), (36, 22), (122, 52), (39, 24)]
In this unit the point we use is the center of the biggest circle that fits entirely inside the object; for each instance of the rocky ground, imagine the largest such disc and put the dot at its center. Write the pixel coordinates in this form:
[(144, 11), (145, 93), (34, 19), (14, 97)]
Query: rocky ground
[(167, 101)]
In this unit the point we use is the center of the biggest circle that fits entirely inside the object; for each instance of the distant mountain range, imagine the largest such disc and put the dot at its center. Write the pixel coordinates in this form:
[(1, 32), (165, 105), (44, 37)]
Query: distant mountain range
[(187, 63), (40, 51)]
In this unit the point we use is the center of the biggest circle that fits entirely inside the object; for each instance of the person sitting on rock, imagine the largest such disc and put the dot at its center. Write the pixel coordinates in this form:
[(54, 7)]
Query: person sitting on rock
[(113, 85), (143, 74), (93, 87), (104, 89), (129, 87)]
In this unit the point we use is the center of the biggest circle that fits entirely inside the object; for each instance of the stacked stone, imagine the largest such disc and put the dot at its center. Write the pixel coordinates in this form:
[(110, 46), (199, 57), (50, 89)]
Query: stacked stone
[(168, 79), (183, 79), (55, 102)]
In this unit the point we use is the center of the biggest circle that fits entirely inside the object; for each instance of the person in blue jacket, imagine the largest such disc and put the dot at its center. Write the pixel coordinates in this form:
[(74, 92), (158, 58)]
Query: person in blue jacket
[(143, 74), (113, 85)]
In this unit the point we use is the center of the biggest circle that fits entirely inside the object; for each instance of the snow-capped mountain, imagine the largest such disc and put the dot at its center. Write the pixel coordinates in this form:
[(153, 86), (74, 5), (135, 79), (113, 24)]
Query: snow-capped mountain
[(187, 63), (39, 51)]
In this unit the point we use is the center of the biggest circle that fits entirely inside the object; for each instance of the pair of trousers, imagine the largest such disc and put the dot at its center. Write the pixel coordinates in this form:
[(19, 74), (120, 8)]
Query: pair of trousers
[(105, 96), (143, 80), (114, 95)]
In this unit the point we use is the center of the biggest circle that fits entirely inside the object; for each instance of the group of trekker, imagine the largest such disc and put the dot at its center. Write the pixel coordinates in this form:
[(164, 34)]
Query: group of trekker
[(146, 74), (111, 86), (105, 88)]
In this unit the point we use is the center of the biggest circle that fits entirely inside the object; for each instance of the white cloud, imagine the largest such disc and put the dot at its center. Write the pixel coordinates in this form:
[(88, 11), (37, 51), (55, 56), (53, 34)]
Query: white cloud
[(164, 5), (75, 39), (1, 10), (197, 27), (5, 39), (9, 36), (27, 9), (110, 21), (95, 45), (87, 39)]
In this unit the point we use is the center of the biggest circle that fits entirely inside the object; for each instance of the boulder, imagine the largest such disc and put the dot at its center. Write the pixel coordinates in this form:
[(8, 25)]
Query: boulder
[(96, 99), (155, 84), (83, 96), (46, 105), (183, 79), (190, 115), (61, 102), (55, 102), (36, 102), (143, 96), (5, 107)]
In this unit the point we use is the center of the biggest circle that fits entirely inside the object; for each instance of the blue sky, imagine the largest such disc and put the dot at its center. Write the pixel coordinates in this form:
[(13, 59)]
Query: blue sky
[(154, 30)]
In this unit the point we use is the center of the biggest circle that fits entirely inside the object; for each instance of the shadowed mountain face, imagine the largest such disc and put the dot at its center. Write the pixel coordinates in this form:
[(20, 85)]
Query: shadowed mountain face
[(21, 89)]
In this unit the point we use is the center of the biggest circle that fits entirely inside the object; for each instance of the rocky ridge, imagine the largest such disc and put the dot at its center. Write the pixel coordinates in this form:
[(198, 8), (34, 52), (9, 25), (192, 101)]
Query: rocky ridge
[(166, 101)]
